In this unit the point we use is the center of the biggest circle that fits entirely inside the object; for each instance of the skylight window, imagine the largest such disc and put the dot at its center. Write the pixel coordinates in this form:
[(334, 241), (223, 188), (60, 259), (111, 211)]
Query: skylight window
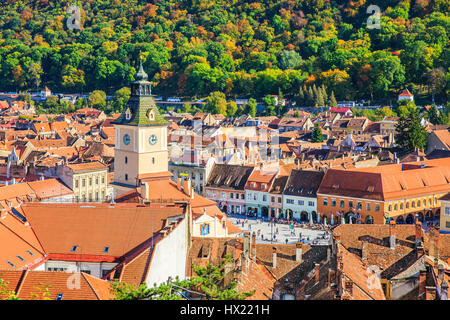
[(29, 252), (11, 264), (74, 248), (106, 250), (59, 296), (22, 259)]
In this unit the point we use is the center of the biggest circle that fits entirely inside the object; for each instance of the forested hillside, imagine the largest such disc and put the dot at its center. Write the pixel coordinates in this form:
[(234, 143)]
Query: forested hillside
[(242, 48)]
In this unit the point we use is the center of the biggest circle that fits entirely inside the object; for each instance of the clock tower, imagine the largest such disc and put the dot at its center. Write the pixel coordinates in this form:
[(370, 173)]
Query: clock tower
[(141, 137)]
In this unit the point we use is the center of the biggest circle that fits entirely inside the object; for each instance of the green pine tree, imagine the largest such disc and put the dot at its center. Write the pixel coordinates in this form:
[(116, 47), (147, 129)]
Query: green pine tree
[(319, 99), (324, 93), (316, 134), (410, 133), (332, 100)]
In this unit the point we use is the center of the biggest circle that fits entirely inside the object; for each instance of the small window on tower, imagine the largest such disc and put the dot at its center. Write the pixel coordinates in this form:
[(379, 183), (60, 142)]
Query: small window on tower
[(128, 114), (151, 115)]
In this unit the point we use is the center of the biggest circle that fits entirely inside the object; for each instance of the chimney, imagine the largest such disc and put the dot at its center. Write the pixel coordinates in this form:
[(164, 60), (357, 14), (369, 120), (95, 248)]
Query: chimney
[(274, 260), (253, 254), (298, 252), (422, 282), (440, 272), (228, 274), (349, 287), (444, 290), (419, 249), (187, 187), (145, 192), (436, 241), (337, 241), (392, 234), (365, 251), (179, 183), (317, 272), (246, 243), (340, 263), (430, 293), (331, 276), (418, 233)]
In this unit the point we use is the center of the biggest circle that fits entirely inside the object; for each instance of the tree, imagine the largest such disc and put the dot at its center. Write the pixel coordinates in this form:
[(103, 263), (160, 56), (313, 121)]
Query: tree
[(208, 282), (250, 108), (35, 71), (231, 109), (6, 294), (216, 103), (410, 133), (289, 59), (319, 102), (332, 100), (316, 135), (121, 97), (97, 99)]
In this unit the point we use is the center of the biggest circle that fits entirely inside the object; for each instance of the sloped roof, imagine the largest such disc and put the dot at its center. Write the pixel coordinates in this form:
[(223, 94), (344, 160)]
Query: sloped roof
[(405, 93), (303, 183), (28, 285), (91, 228), (229, 176), (140, 106)]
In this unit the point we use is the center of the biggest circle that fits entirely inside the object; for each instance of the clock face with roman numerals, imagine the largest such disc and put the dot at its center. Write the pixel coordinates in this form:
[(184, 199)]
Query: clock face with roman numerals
[(126, 139), (152, 139)]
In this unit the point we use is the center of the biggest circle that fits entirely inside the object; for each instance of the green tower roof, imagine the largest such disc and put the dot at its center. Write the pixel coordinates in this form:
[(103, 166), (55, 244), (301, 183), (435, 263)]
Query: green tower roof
[(141, 109)]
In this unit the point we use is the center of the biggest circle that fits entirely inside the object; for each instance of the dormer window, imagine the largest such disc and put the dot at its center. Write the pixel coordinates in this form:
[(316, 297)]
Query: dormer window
[(128, 114), (151, 115)]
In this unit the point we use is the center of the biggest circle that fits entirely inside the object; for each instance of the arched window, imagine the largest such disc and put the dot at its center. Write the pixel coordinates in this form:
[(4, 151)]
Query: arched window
[(407, 205), (395, 207), (389, 208)]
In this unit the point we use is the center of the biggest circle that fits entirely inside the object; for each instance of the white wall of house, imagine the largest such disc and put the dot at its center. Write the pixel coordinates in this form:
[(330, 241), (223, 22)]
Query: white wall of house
[(62, 199), (96, 269), (169, 257), (299, 204)]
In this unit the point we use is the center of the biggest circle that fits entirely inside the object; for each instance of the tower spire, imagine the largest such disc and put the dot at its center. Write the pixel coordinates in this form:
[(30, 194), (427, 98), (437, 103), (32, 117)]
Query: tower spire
[(141, 75)]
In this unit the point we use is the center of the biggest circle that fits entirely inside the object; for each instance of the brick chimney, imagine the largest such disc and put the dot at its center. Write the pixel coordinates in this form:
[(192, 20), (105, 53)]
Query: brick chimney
[(420, 251), (337, 241), (422, 282), (299, 252), (253, 253), (440, 272), (317, 272), (274, 259), (179, 183), (365, 251), (392, 234), (349, 287), (246, 243), (418, 233), (430, 293), (145, 192), (436, 241)]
